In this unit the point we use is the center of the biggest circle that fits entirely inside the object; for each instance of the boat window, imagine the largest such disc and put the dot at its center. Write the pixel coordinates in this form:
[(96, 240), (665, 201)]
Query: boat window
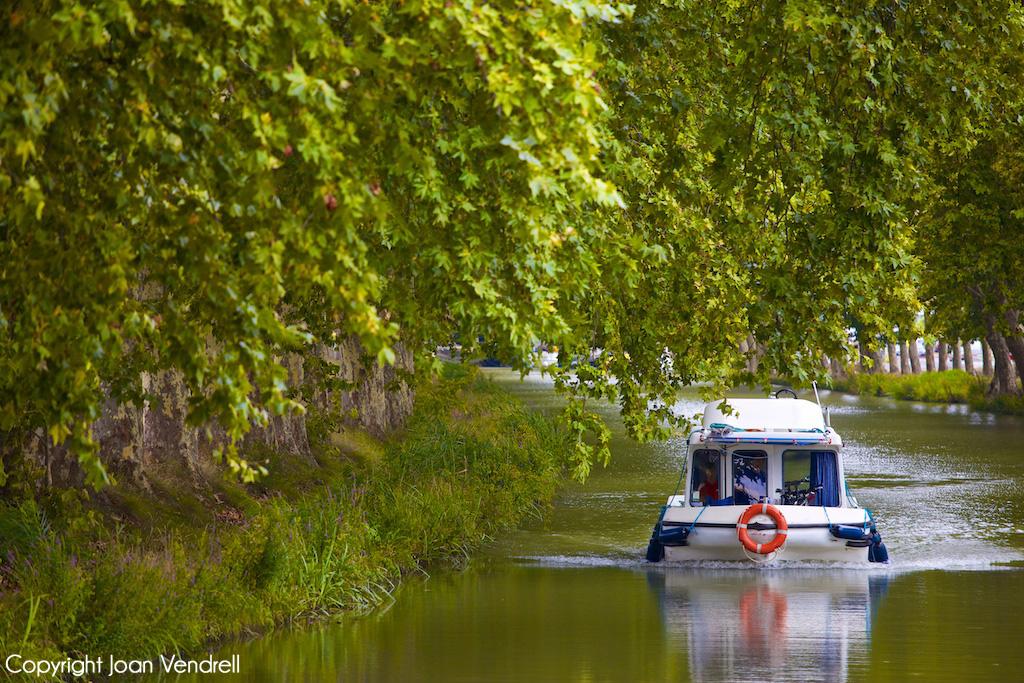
[(749, 477), (810, 478), (705, 486)]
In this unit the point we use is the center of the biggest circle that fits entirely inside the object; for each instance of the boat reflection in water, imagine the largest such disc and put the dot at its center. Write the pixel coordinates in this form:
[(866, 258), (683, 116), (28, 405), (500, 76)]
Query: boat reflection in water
[(774, 625)]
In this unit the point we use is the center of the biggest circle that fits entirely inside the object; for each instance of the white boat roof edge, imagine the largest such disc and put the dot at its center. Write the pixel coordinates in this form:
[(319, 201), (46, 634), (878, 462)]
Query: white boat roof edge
[(766, 414), (786, 438)]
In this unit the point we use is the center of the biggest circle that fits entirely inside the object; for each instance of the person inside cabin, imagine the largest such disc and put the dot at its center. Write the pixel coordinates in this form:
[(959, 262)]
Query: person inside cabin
[(705, 487), (709, 489)]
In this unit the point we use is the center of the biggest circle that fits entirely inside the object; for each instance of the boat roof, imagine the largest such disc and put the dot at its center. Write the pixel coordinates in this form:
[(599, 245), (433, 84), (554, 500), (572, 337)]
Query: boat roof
[(765, 414)]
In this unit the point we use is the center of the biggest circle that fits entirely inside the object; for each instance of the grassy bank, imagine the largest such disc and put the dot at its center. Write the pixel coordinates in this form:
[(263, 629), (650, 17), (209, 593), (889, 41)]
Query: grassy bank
[(948, 386), (138, 577)]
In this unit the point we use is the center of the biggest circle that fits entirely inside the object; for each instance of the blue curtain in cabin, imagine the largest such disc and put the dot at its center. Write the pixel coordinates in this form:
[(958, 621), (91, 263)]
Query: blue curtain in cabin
[(825, 473)]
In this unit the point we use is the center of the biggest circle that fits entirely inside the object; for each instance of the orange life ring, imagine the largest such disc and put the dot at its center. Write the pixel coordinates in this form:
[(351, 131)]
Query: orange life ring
[(781, 528)]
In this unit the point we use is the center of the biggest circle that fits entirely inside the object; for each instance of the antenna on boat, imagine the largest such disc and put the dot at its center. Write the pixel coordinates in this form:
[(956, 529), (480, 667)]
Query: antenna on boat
[(828, 418)]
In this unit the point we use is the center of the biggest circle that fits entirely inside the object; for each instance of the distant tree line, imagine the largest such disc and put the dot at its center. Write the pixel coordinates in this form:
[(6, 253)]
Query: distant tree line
[(911, 356)]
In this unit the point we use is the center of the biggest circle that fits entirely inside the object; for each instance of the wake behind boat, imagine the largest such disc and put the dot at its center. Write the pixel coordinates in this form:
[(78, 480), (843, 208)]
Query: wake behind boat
[(764, 479)]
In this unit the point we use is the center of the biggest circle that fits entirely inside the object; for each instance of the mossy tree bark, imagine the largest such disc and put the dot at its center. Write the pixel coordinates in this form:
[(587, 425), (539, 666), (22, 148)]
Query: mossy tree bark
[(1003, 380), (878, 366), (913, 357), (894, 365), (968, 357), (156, 442), (1015, 342), (986, 358)]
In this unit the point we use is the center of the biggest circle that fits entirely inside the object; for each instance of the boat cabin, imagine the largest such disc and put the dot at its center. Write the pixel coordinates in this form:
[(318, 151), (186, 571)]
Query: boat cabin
[(778, 451)]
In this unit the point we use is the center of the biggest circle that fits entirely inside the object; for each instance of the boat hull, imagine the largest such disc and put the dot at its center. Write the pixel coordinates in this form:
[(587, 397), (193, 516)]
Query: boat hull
[(713, 535)]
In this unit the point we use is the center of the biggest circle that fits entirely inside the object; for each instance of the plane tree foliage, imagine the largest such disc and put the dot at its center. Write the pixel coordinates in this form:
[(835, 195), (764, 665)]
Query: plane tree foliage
[(970, 246), (775, 159), (968, 226), (203, 187)]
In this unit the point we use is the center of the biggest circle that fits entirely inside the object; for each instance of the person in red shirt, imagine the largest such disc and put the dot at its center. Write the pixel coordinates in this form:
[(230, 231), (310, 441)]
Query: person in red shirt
[(709, 489)]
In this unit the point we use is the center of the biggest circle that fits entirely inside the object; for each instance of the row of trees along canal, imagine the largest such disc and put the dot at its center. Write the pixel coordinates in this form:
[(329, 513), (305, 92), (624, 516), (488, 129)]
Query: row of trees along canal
[(206, 188), (916, 355)]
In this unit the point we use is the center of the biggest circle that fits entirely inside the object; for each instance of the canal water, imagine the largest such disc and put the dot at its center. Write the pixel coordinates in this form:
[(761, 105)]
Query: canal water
[(569, 597)]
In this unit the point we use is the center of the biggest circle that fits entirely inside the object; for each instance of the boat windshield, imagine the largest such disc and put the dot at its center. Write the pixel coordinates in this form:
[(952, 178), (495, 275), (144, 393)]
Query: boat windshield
[(705, 484), (750, 477), (810, 478)]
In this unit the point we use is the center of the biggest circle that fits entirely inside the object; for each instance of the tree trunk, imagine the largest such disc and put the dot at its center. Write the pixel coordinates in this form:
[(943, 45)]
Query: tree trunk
[(755, 357), (894, 365), (943, 356), (905, 367), (1003, 381), (47, 464), (863, 356), (837, 369), (1015, 342), (986, 358), (879, 362), (915, 359), (929, 357), (957, 363), (968, 357)]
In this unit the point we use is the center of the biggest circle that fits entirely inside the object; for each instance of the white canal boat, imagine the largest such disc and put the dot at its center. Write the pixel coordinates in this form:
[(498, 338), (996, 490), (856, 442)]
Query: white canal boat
[(764, 480)]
